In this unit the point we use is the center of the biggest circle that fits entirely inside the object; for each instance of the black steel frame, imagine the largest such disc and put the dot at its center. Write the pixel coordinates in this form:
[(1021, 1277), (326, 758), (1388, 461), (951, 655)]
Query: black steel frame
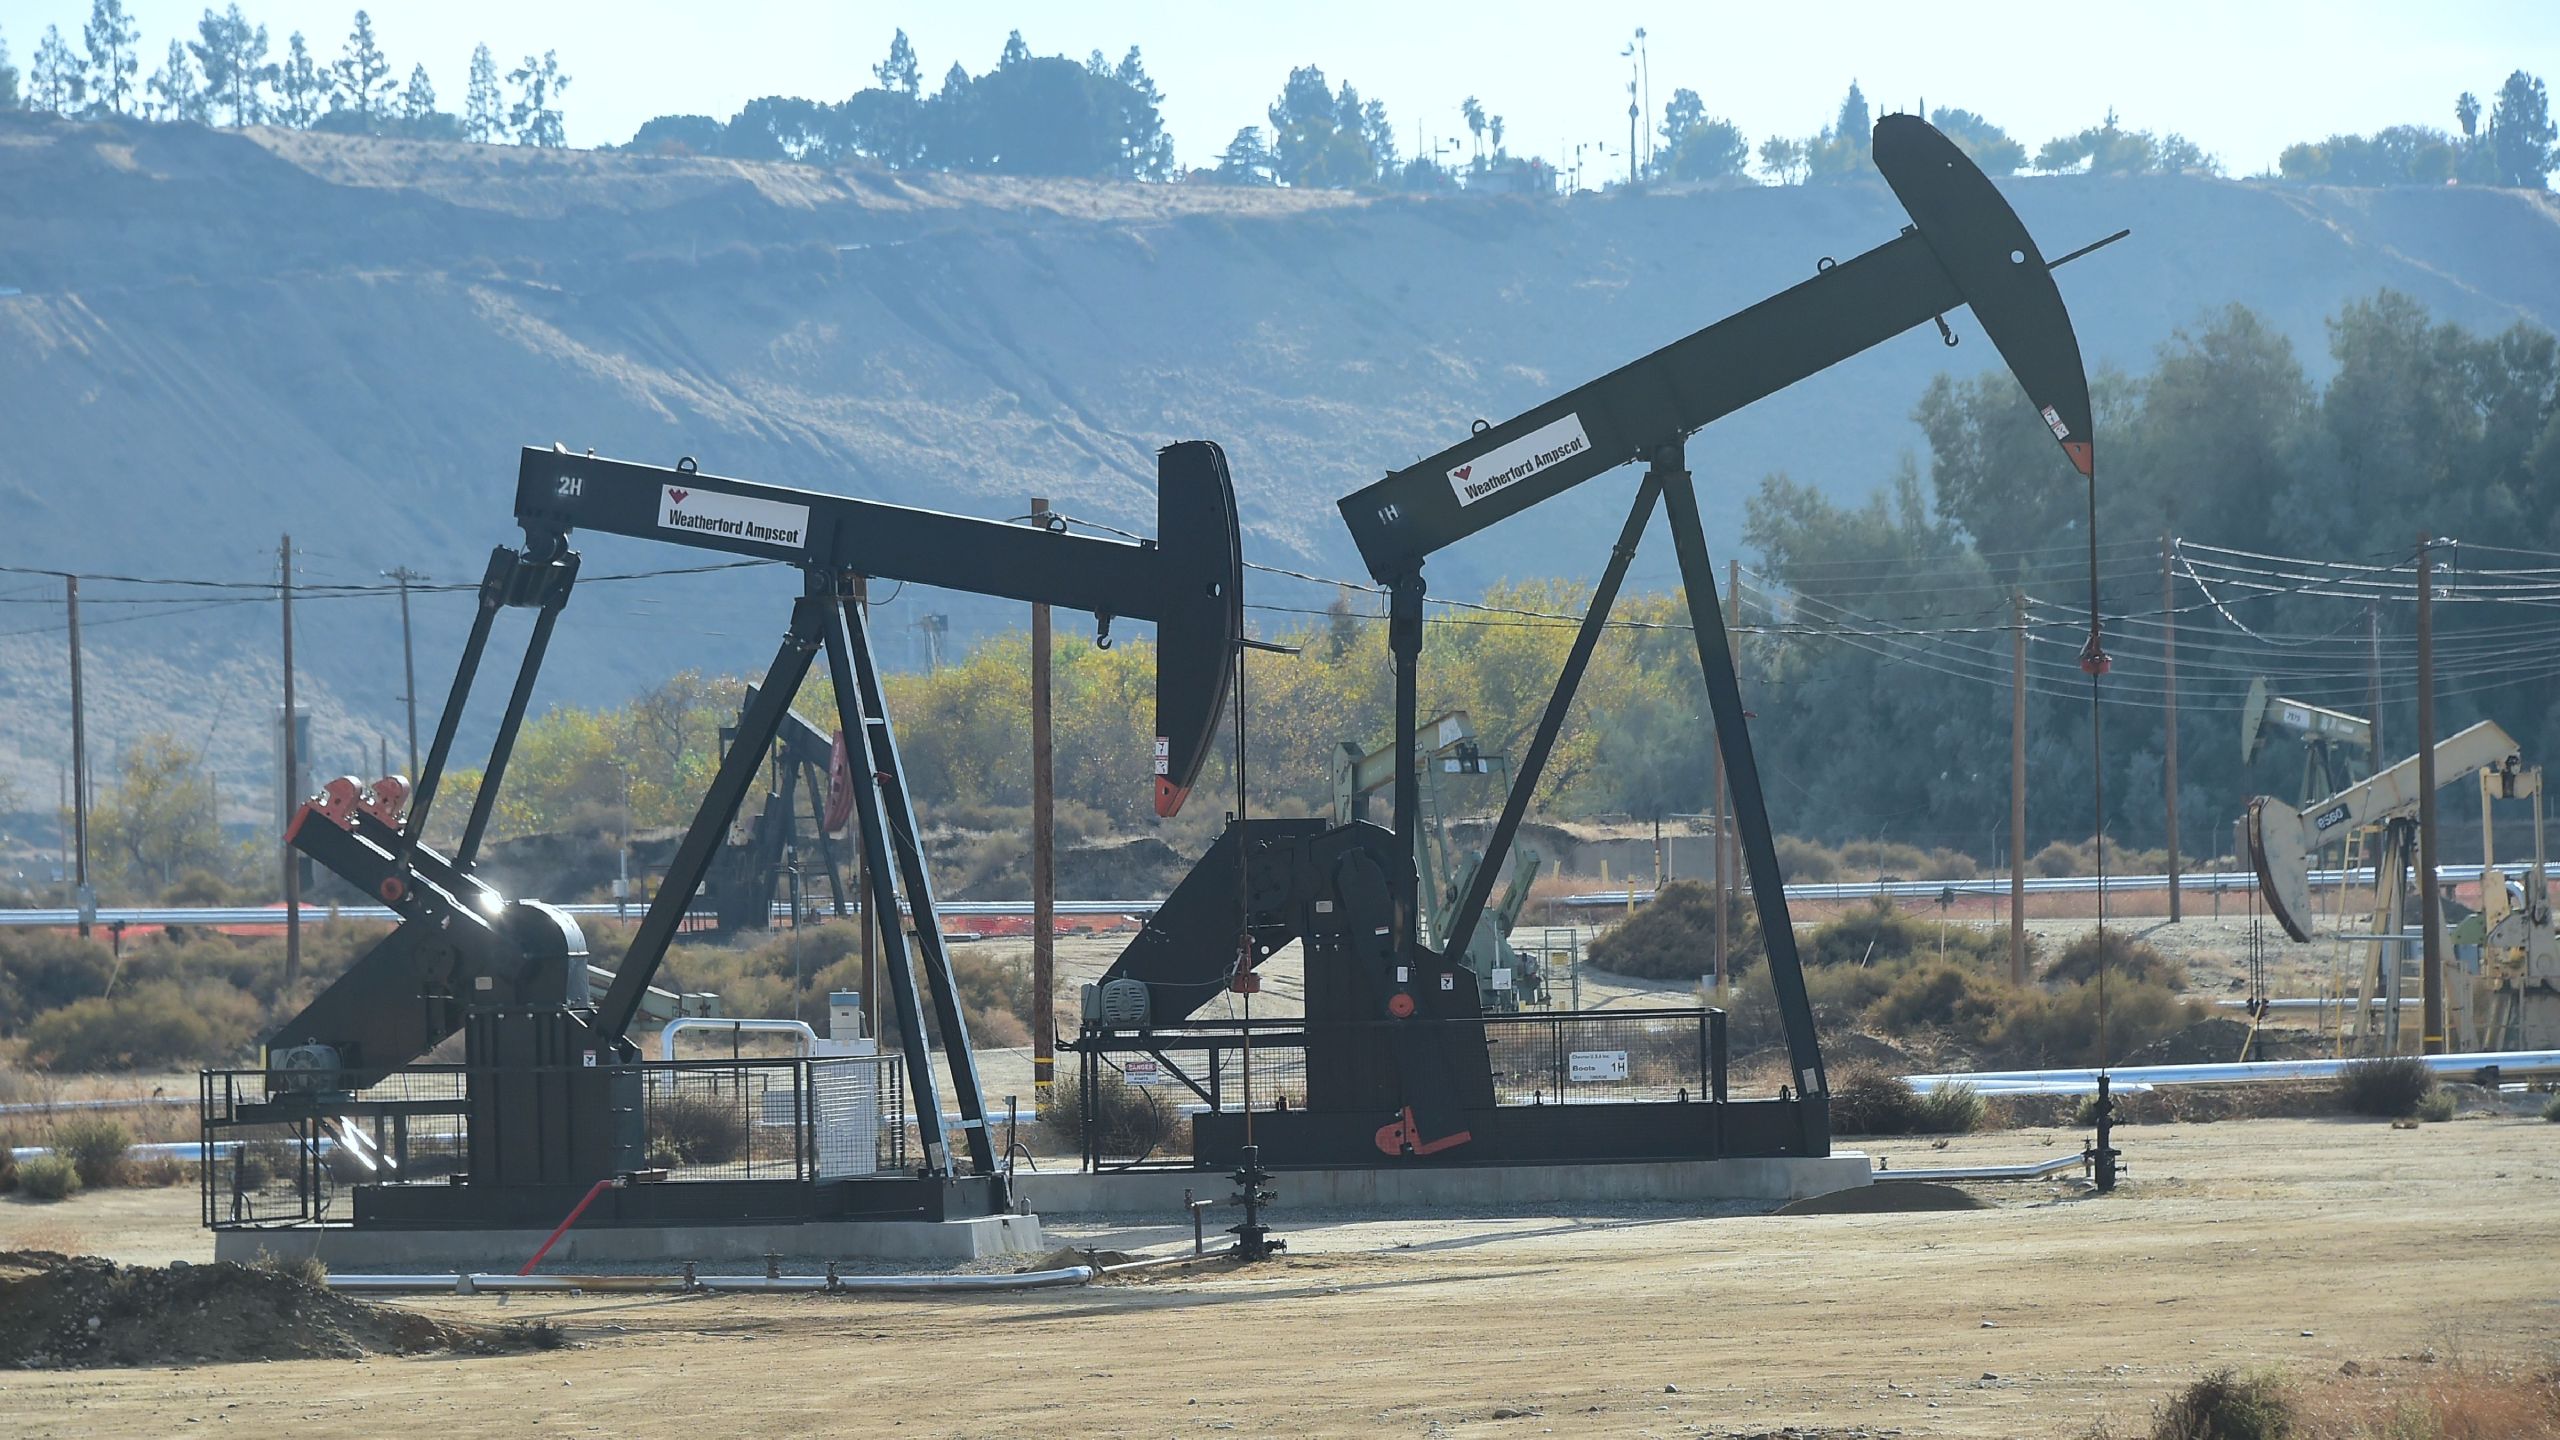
[(1965, 248), (457, 961)]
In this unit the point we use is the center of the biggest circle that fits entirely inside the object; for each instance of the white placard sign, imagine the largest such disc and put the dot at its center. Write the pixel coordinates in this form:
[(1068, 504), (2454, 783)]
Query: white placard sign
[(732, 517), (1598, 1065), (1513, 461)]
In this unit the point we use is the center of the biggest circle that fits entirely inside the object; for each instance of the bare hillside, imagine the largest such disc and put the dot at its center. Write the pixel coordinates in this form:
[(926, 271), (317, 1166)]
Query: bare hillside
[(210, 337)]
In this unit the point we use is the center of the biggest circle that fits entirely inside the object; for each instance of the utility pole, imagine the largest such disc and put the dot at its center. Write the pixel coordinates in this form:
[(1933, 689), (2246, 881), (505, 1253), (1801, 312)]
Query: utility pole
[(2169, 744), (1044, 878), (2430, 905), (82, 897), (287, 781), (408, 663), (2017, 787), (2373, 676), (1644, 61)]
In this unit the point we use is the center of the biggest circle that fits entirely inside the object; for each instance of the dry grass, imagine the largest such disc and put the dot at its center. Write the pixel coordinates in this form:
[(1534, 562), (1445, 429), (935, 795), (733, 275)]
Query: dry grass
[(2414, 1399), (2432, 1402)]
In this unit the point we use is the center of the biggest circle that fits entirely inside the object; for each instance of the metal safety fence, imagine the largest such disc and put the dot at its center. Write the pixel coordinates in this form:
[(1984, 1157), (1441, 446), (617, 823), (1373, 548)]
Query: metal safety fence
[(287, 1147), (1137, 1090)]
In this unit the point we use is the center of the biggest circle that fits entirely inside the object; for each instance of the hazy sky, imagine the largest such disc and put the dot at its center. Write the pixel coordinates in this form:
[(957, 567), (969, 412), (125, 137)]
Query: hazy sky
[(2241, 77)]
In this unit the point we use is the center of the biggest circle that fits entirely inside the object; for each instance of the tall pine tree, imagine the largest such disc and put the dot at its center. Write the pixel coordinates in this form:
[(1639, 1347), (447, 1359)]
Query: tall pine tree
[(484, 116)]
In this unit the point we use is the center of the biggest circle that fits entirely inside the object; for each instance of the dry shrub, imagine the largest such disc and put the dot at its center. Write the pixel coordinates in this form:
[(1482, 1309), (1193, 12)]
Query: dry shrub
[(309, 1270), (1812, 862), (1968, 1003), (2125, 958), (2390, 1088), (2060, 858), (8, 1163), (99, 1148), (1955, 1108), (2027, 1025), (2551, 1112), (753, 977), (152, 1026), (2060, 1027), (695, 1130), (1129, 1119), (48, 1177), (1866, 1100), (43, 970), (2227, 1406), (2438, 1106), (1880, 933), (1673, 936)]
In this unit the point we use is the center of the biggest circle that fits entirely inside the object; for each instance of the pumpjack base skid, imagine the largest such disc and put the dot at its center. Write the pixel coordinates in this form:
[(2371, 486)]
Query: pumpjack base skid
[(931, 1199), (1637, 1132)]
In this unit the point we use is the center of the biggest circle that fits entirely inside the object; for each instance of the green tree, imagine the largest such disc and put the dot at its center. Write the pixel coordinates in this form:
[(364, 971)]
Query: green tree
[(484, 114), (2521, 133), (1318, 135), (2107, 148), (299, 85), (1472, 111), (534, 115), (113, 40), (233, 56), (887, 122), (2399, 155), (1684, 112), (1146, 148), (361, 79), (58, 83), (1986, 144), (2466, 113), (8, 78), (1015, 52), (178, 92), (1846, 147), (1783, 160), (900, 74), (786, 128), (683, 134), (1035, 115), (1380, 133), (157, 820), (418, 97), (1246, 160), (1699, 146)]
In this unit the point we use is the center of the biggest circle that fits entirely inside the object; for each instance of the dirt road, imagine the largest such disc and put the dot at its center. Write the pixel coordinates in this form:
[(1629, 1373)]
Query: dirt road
[(2301, 1244)]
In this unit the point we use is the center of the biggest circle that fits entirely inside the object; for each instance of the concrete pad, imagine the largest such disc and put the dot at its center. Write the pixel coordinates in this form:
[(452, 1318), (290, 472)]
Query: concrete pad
[(377, 1250), (1422, 1188)]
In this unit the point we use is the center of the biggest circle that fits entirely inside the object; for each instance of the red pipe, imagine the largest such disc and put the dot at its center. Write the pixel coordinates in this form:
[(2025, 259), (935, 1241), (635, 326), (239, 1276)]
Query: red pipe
[(588, 1199)]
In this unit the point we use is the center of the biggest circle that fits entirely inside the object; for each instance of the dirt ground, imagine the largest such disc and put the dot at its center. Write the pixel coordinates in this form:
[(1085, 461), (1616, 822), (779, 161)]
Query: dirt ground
[(2295, 1244)]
